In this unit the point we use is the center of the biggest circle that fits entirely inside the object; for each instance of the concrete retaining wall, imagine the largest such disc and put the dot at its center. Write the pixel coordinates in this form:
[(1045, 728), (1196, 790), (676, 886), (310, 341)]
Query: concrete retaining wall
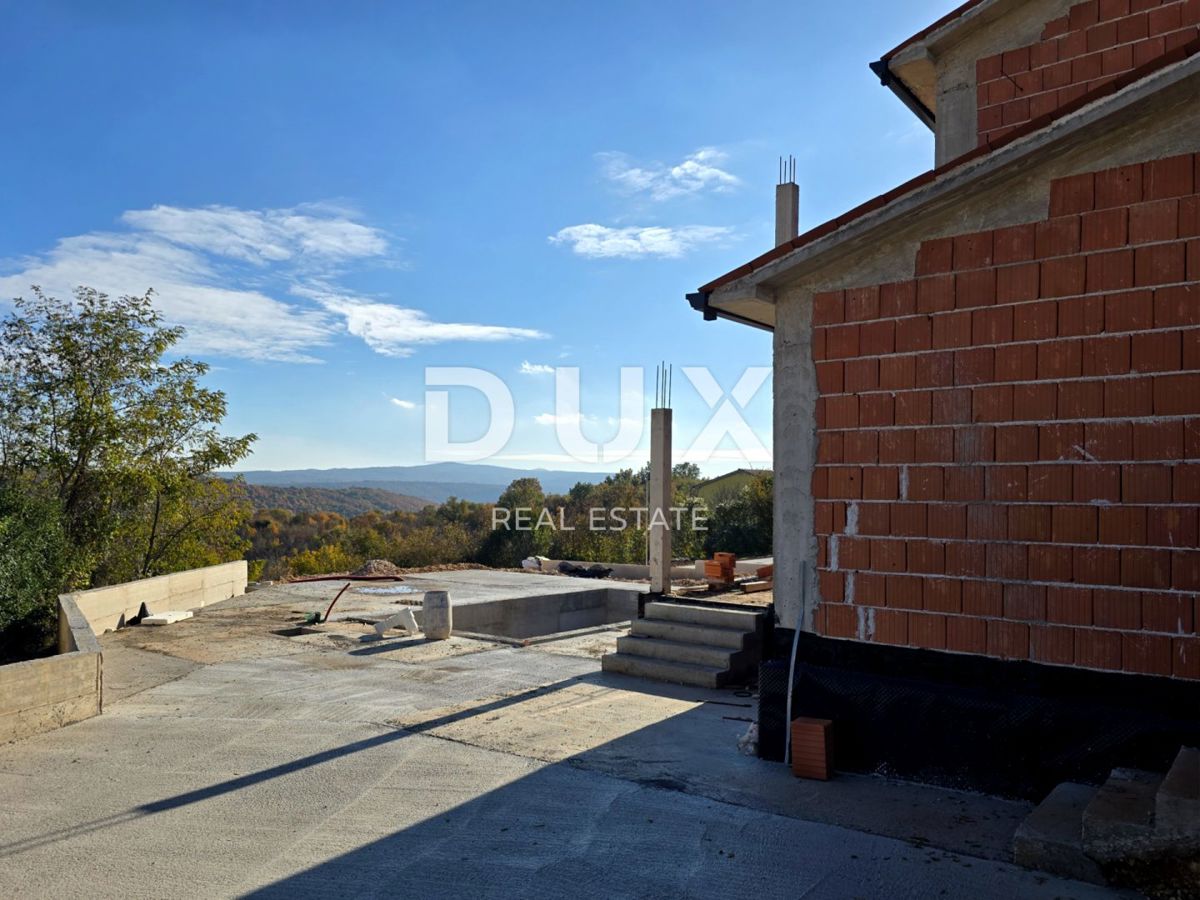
[(524, 617), (43, 694), (108, 608)]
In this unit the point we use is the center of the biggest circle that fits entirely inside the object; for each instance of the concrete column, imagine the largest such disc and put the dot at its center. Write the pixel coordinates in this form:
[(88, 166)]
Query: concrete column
[(660, 501), (787, 212)]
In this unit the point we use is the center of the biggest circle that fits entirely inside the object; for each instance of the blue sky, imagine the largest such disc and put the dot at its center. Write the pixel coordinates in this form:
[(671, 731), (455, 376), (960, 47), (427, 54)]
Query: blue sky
[(333, 197)]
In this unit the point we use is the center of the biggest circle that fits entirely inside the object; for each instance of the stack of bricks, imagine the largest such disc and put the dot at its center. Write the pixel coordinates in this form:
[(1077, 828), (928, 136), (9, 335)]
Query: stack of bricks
[(1009, 443), (812, 748), (721, 568), (1093, 44)]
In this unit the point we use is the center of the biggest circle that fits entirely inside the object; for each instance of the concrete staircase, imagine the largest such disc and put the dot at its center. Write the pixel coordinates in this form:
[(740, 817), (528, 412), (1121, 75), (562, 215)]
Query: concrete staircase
[(684, 644), (1080, 831)]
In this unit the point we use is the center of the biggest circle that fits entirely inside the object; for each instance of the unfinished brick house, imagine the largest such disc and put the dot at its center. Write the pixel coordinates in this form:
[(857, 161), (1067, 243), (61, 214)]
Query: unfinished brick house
[(989, 383)]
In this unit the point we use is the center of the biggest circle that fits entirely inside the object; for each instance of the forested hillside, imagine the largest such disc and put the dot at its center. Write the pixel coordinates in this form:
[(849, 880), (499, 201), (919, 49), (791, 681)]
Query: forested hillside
[(349, 502)]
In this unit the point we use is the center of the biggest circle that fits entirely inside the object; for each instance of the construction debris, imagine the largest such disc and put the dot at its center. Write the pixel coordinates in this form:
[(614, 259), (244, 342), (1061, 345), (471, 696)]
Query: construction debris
[(169, 617), (377, 568)]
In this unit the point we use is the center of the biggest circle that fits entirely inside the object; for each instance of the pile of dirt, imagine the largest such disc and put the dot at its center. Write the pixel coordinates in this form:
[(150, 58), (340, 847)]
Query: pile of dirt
[(376, 568)]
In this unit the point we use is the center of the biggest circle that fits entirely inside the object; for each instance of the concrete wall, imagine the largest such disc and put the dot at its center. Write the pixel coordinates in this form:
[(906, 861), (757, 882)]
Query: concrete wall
[(524, 617), (43, 694), (108, 608)]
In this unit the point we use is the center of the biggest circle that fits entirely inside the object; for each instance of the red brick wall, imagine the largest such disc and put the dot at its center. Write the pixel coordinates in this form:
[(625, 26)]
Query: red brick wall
[(1009, 443), (1094, 43)]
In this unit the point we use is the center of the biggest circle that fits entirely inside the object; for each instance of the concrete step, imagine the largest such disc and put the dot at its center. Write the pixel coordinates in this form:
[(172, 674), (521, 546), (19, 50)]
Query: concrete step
[(663, 670), (683, 633), (678, 651), (1119, 821), (742, 620), (1177, 804), (1051, 837)]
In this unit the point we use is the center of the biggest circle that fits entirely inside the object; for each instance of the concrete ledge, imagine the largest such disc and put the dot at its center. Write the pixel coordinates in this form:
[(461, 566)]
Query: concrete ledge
[(109, 608), (43, 694)]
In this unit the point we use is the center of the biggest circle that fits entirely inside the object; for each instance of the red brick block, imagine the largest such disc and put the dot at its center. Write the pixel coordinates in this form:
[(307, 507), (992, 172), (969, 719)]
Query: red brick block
[(1108, 440), (927, 557), (1146, 484), (982, 598), (1165, 19), (845, 482), (1060, 359), (897, 372), (1060, 442), (877, 338), (1054, 646), (1050, 484), (946, 521), (841, 411), (992, 326), (897, 446), (1058, 75), (943, 595), (1096, 565), (1081, 315), (963, 483), (829, 308), (935, 293), (1101, 36), (987, 522), (1159, 440), (1081, 399), (1096, 482), (1185, 570), (966, 560), (841, 341), (1057, 237), (1043, 53), (1193, 260), (881, 483), (1007, 640), (993, 403), (975, 444), (1131, 311), (1172, 526), (841, 621), (976, 288), (869, 589), (1148, 654), (1016, 363), (951, 407), (989, 68), (914, 334), (1025, 602), (1176, 395), (891, 627), (829, 377), (1018, 283), (861, 375), (935, 256), (832, 586), (974, 366), (952, 330), (1145, 568), (1035, 402), (1186, 656), (1159, 351), (927, 631), (1075, 194), (925, 483), (1029, 523), (1116, 610), (853, 553), (1064, 276), (898, 299), (1051, 562), (1148, 50), (862, 303), (1016, 443), (1008, 561), (1112, 271), (1013, 244), (973, 251), (1159, 264), (1157, 220), (966, 635), (934, 369), (1006, 483), (1121, 186), (1168, 613), (1186, 484), (1104, 230), (860, 447), (914, 408), (1133, 28), (1116, 60), (1123, 525), (818, 344), (1106, 356), (1098, 649), (874, 518), (1129, 397), (1170, 177), (1074, 524), (1069, 605), (1189, 217), (831, 448), (909, 519)]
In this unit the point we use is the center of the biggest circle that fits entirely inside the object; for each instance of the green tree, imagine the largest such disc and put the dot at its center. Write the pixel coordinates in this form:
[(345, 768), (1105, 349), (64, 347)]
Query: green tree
[(119, 440), (744, 524)]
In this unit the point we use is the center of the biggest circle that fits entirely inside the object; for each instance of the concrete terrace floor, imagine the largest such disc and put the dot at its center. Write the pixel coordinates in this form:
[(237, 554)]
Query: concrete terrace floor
[(231, 761)]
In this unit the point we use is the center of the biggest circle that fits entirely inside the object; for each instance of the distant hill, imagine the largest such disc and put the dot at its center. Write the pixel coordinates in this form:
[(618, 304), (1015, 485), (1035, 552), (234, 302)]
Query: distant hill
[(350, 501), (437, 481)]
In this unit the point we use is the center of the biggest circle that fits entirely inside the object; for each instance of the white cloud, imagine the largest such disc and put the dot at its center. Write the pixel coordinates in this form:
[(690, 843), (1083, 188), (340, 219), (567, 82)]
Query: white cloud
[(699, 171), (250, 284), (397, 331), (403, 404), (567, 419), (528, 368), (600, 241)]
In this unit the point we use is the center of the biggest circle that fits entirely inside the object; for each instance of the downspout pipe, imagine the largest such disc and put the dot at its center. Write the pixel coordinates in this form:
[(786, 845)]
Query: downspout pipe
[(699, 302), (889, 80)]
